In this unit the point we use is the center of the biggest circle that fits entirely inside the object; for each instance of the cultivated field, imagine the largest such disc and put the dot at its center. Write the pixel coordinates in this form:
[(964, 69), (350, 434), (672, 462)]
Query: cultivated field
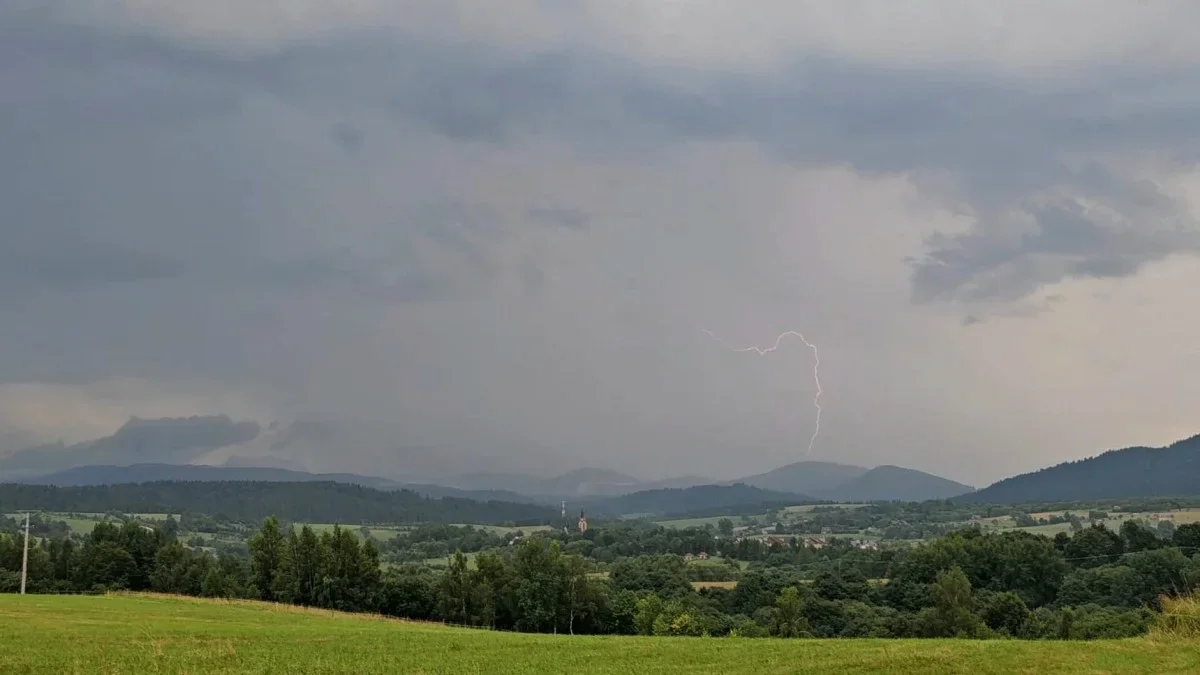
[(682, 523), (147, 634)]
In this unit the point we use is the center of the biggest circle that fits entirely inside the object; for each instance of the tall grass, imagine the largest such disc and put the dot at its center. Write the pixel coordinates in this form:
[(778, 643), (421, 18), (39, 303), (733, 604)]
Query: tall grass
[(1180, 618)]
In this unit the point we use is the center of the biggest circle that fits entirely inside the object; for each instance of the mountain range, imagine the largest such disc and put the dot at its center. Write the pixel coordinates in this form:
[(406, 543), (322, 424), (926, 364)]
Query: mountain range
[(218, 448), (1169, 471)]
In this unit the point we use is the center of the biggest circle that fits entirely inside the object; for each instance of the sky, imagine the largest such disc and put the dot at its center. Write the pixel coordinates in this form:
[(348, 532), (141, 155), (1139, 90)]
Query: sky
[(509, 224)]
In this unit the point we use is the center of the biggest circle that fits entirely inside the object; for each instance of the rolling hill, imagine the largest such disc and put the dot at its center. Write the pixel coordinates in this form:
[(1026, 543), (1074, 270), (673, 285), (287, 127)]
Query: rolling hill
[(894, 483), (252, 501), (848, 483), (1130, 472), (670, 501), (150, 473), (805, 477)]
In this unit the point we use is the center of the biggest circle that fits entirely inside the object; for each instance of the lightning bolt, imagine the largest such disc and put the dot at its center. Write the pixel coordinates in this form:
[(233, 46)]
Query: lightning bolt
[(763, 352)]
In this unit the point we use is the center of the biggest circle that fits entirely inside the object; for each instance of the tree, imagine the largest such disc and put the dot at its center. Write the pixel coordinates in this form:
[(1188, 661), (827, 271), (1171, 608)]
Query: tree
[(953, 613), (455, 591), (538, 587), (649, 608), (1006, 612), (1166, 529), (266, 558), (105, 564), (170, 528), (1187, 537), (725, 527), (170, 567), (575, 588), (493, 582), (790, 621), (1094, 546), (1138, 538), (306, 560), (1066, 624)]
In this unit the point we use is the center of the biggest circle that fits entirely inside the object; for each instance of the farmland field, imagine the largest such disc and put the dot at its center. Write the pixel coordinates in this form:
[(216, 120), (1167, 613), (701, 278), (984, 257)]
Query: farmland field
[(681, 523), (155, 634), (807, 508), (379, 533), (500, 529)]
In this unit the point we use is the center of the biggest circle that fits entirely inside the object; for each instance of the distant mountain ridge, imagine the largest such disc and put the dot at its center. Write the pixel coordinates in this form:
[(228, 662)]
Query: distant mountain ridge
[(359, 448), (829, 481), (667, 501), (218, 448), (894, 484), (170, 440), (156, 473), (805, 477), (1140, 471), (577, 483)]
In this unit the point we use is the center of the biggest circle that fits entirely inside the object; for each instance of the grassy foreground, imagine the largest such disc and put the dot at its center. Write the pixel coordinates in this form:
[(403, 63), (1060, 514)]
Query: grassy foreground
[(148, 634)]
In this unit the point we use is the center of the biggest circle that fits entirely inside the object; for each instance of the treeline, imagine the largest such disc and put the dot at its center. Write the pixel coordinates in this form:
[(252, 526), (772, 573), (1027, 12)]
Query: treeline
[(1097, 583), (252, 501)]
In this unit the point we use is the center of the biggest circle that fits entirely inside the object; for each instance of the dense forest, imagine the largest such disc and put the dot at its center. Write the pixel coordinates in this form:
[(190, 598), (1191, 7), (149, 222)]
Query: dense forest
[(698, 498), (1117, 474), (1097, 583), (319, 502)]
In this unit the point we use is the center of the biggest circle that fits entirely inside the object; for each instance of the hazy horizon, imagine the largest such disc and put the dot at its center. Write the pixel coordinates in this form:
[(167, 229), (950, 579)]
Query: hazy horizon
[(507, 226)]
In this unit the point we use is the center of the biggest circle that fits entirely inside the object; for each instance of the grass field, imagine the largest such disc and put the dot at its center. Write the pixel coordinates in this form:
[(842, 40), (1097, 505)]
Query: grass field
[(807, 508), (500, 529), (700, 585), (383, 533), (681, 523), (444, 561), (146, 634)]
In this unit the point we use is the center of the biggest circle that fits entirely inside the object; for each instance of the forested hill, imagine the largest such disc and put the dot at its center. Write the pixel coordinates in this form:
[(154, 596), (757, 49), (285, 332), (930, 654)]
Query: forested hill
[(669, 501), (246, 501), (1131, 472)]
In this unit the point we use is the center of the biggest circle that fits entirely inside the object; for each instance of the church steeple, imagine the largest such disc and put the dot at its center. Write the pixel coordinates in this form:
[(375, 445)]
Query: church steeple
[(582, 522)]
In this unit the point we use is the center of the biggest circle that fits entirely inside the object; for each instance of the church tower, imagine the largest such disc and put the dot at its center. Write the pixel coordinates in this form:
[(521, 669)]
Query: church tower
[(582, 522)]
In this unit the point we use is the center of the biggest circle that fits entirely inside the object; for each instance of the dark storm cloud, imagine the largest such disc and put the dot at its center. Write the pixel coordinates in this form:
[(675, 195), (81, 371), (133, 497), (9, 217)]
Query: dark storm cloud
[(1002, 142), (127, 160), (572, 219), (349, 137)]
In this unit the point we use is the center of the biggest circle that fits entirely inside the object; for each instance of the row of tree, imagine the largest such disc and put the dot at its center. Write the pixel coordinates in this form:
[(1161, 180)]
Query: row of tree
[(1097, 583)]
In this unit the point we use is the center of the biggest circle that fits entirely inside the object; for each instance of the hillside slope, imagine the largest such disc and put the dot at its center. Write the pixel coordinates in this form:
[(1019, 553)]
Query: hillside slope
[(149, 634), (848, 483), (805, 477), (894, 483), (307, 502), (1130, 472), (667, 501), (152, 473)]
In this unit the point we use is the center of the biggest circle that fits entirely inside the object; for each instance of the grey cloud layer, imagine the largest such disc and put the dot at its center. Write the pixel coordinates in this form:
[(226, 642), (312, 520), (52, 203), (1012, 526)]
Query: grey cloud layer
[(173, 210), (1003, 143)]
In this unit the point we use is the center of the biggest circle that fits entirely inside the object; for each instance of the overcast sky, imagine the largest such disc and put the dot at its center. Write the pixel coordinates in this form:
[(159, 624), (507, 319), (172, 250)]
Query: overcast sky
[(480, 220)]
